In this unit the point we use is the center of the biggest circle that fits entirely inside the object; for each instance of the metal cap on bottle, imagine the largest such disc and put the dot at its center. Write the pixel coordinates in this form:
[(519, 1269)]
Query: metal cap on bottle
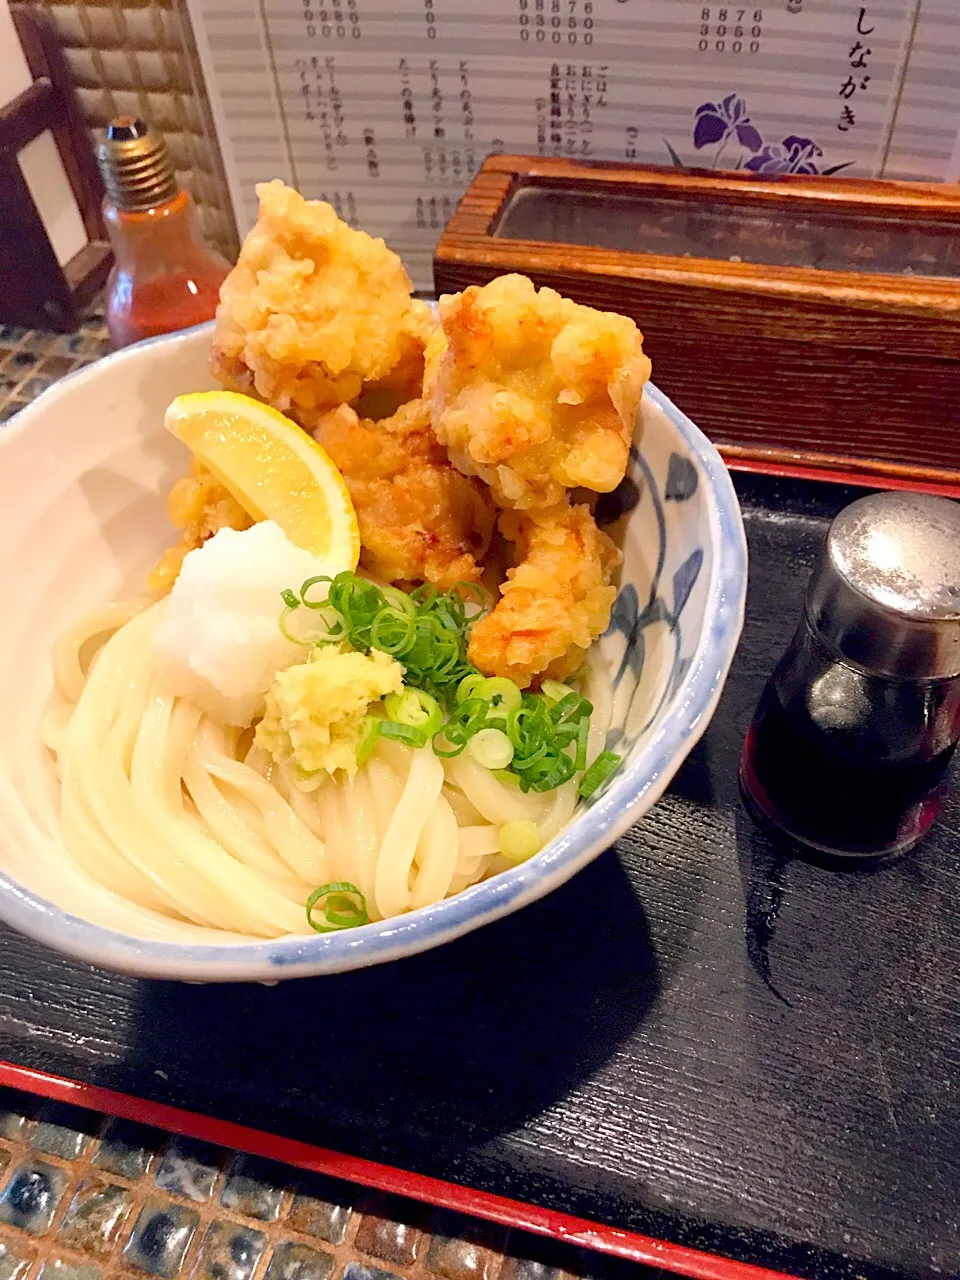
[(135, 165), (886, 590)]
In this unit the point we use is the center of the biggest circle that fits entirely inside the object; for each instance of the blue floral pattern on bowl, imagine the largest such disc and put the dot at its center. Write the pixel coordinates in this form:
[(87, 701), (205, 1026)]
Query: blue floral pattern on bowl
[(656, 619), (632, 622)]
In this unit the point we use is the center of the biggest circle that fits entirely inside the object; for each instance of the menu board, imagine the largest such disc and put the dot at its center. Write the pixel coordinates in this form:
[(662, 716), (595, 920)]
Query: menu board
[(386, 108)]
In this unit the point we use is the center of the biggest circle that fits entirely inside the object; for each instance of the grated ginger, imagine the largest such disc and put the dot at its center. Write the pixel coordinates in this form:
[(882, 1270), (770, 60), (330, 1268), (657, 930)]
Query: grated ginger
[(315, 710)]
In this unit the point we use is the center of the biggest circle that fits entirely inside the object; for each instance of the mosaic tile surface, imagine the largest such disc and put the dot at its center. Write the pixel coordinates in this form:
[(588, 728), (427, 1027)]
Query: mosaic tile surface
[(84, 1197), (32, 360)]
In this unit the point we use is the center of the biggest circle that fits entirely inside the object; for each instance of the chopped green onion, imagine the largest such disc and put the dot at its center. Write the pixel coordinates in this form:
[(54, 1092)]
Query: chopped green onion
[(427, 629), (554, 690), (426, 593), (563, 770), (547, 773), (471, 588), (400, 600), (538, 740), (519, 840), (284, 629), (303, 631), (502, 694), (405, 733), (335, 628), (414, 707), (371, 726), (468, 685), (467, 719), (359, 602), (606, 763), (491, 748), (312, 582), (527, 728), (570, 707), (522, 764), (308, 627), (342, 904), (393, 631), (583, 736)]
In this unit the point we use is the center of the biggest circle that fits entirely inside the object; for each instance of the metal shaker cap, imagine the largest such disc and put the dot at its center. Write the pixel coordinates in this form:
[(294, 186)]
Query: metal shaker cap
[(886, 589)]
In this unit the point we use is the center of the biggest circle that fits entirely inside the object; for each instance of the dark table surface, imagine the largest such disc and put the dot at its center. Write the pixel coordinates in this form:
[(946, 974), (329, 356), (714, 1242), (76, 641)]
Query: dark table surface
[(698, 1037)]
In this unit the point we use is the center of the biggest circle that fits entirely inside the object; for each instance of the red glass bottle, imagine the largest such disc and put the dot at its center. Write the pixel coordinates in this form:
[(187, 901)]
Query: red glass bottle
[(164, 277)]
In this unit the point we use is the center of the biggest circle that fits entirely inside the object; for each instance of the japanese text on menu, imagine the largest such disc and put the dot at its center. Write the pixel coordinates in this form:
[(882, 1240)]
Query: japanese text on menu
[(387, 107)]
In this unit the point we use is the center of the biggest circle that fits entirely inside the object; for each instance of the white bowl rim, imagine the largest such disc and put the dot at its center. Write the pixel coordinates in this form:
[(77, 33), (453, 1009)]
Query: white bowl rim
[(633, 792)]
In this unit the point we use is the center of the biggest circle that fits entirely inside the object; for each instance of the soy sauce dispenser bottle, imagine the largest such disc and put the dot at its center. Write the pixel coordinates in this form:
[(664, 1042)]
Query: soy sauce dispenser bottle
[(850, 745)]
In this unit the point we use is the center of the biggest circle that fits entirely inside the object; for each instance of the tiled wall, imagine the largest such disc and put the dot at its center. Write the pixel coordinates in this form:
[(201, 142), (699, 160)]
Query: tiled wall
[(86, 1198), (136, 57)]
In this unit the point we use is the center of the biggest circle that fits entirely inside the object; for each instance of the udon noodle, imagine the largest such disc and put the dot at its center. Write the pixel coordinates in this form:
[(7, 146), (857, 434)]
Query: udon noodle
[(186, 819)]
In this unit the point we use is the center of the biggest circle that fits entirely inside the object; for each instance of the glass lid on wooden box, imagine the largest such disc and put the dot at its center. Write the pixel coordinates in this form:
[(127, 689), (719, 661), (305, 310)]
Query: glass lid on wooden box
[(731, 230)]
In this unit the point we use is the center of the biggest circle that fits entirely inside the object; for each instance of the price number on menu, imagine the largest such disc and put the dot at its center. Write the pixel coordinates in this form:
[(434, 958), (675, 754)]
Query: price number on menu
[(337, 21), (563, 22), (729, 30), (430, 18)]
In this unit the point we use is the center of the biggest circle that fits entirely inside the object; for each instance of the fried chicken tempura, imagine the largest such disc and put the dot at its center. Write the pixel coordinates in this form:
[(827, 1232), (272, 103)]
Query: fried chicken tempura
[(420, 520), (382, 397), (556, 601), (533, 392), (526, 395), (200, 506), (314, 312)]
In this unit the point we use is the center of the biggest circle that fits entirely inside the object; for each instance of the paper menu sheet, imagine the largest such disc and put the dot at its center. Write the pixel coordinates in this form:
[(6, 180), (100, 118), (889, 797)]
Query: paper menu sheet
[(387, 107)]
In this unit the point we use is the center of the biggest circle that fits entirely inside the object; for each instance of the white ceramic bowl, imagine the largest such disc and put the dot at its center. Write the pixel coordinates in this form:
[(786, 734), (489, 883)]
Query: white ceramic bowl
[(84, 474)]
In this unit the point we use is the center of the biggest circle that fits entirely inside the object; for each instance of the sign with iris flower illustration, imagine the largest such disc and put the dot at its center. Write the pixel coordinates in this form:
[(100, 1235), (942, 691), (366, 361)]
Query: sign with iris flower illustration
[(737, 142), (387, 108)]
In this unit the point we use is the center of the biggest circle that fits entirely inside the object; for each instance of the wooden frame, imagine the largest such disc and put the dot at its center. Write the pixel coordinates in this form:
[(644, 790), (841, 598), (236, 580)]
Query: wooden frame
[(35, 291), (799, 366)]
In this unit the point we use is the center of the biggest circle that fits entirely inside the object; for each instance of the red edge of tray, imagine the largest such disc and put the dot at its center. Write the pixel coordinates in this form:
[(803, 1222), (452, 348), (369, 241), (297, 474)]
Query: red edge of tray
[(401, 1182), (564, 1227), (861, 478)]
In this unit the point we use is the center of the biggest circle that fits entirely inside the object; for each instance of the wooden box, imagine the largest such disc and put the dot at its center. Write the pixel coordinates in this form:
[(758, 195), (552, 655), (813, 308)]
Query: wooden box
[(806, 321)]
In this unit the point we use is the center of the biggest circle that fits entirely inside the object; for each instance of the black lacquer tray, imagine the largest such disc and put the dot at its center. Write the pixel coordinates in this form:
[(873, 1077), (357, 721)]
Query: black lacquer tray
[(698, 1038)]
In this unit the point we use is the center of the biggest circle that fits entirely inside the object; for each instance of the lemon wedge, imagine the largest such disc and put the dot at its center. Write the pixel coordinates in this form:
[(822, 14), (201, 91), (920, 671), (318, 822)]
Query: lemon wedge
[(273, 469)]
